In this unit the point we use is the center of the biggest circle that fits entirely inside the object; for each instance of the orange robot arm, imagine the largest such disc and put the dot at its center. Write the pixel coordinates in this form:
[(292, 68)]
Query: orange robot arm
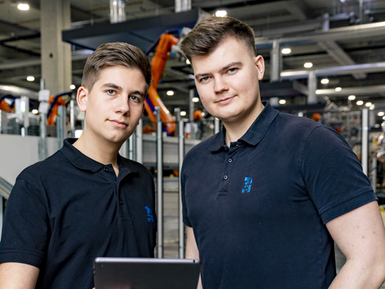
[(157, 66)]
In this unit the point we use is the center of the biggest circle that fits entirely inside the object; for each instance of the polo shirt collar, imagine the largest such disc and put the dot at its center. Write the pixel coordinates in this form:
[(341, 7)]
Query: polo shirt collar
[(85, 163), (254, 134)]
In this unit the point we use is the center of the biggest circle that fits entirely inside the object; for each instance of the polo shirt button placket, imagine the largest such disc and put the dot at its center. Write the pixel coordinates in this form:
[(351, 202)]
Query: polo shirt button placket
[(225, 177), (106, 169), (230, 160), (121, 202)]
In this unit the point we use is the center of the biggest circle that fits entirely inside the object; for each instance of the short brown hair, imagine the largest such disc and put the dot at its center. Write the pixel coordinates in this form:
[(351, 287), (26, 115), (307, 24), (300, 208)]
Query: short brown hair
[(207, 34), (112, 54)]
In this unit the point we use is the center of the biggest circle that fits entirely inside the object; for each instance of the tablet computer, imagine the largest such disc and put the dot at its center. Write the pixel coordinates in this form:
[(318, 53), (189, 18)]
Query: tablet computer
[(146, 273)]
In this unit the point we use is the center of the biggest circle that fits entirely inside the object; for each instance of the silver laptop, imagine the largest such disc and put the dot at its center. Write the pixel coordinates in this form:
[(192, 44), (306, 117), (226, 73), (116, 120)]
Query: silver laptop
[(146, 273)]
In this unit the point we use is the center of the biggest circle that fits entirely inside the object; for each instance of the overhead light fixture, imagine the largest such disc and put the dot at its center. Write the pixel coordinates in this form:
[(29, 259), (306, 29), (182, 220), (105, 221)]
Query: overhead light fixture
[(30, 78), (35, 111), (352, 97), (368, 104), (372, 107), (183, 113), (170, 92), (338, 89), (188, 61), (308, 65), (203, 114), (286, 50), (282, 101), (359, 102), (324, 81), (381, 113), (195, 99), (23, 6), (221, 13), (383, 117), (72, 86)]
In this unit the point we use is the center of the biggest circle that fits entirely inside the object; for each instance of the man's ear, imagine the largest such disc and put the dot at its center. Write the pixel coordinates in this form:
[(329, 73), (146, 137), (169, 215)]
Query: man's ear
[(82, 97), (260, 66)]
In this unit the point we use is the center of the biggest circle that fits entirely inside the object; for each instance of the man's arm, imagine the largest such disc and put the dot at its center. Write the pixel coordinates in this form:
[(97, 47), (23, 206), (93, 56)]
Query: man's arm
[(360, 235), (18, 276), (192, 251)]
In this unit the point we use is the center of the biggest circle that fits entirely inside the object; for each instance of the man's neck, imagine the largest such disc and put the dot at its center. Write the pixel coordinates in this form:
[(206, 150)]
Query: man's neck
[(236, 129), (102, 152)]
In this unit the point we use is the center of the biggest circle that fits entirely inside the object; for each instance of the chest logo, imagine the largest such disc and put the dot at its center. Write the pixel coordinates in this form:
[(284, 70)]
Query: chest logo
[(150, 216), (247, 186)]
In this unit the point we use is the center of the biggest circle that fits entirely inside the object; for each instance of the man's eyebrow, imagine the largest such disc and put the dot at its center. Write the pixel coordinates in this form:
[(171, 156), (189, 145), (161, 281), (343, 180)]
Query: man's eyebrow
[(235, 63), (112, 85)]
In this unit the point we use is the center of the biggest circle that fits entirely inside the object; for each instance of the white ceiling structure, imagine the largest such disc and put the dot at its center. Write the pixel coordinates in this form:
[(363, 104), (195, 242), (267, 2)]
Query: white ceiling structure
[(343, 39)]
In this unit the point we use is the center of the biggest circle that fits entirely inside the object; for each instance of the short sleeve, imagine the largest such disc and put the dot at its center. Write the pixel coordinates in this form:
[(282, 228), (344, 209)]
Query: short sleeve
[(333, 175), (25, 229)]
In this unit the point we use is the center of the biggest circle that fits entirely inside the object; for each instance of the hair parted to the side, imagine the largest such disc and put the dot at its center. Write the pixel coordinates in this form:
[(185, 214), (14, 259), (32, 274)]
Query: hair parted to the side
[(112, 54), (207, 34)]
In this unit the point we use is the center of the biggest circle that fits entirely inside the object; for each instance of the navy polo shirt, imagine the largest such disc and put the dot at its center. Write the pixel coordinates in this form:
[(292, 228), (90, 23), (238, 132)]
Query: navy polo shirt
[(258, 208), (68, 209)]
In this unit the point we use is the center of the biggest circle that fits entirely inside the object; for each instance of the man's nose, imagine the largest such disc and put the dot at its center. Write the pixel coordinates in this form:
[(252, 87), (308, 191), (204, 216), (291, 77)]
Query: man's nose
[(220, 84)]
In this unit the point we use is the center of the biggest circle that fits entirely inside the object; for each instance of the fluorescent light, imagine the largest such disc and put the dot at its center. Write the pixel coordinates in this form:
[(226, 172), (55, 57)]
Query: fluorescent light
[(338, 89), (359, 102), (286, 50), (170, 92), (72, 86), (324, 81), (30, 78), (368, 104), (308, 65), (282, 101), (381, 113), (195, 99), (188, 61), (221, 13), (23, 6), (183, 113), (372, 107), (35, 111), (352, 97)]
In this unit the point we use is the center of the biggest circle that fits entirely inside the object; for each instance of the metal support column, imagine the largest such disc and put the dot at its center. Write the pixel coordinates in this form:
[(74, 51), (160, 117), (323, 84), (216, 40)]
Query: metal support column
[(191, 114), (61, 129), (312, 85), (216, 125), (139, 142), (159, 188), (43, 126), (72, 114), (181, 151), (365, 140), (131, 146)]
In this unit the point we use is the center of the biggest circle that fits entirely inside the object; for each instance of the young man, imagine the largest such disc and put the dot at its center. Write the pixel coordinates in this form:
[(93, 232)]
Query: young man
[(265, 198), (86, 200)]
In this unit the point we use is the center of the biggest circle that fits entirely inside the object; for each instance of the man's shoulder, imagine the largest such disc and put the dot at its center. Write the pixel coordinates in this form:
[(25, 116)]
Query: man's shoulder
[(42, 168), (203, 148)]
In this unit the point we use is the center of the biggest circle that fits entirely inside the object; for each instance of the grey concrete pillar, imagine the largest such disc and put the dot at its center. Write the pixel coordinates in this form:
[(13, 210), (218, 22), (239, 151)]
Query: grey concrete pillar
[(55, 54)]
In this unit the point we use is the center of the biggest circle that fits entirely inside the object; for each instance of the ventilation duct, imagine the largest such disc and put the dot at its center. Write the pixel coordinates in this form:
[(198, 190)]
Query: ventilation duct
[(117, 11), (182, 5)]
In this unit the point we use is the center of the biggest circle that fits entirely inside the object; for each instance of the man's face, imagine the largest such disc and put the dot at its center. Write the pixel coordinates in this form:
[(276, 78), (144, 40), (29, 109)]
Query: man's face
[(115, 104), (227, 81)]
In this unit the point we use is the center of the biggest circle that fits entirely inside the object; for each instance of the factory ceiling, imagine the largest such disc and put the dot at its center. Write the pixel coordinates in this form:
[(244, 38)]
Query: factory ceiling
[(343, 39)]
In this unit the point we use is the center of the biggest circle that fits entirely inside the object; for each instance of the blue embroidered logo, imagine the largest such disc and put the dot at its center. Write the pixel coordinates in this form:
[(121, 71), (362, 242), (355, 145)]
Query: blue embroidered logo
[(247, 187), (150, 216)]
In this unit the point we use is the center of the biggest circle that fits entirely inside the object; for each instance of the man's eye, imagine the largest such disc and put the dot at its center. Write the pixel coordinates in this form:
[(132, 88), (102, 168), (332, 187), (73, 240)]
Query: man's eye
[(232, 70), (204, 79), (135, 98), (111, 92)]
